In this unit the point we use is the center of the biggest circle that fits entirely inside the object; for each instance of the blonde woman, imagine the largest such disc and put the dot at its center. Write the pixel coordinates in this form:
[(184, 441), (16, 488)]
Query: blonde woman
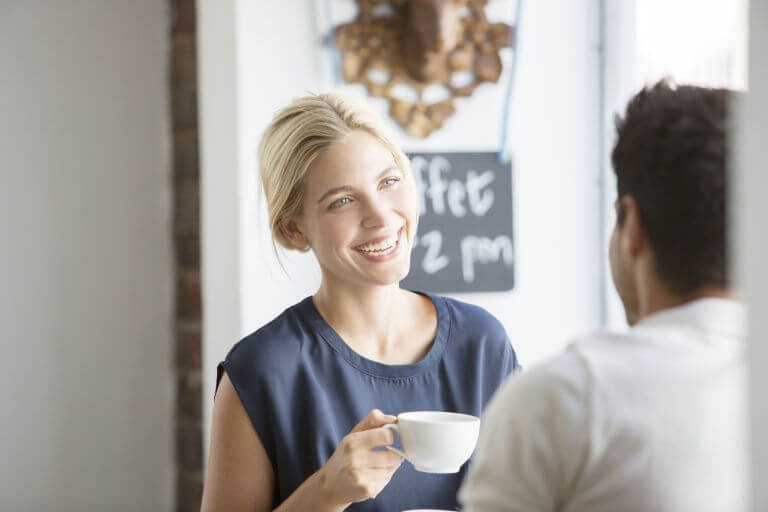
[(299, 402)]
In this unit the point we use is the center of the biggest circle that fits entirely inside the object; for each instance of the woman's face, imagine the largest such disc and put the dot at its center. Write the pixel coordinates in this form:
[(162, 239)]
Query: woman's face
[(360, 212)]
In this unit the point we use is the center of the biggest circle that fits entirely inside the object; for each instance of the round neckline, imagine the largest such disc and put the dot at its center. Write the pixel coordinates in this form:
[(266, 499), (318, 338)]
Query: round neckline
[(375, 368)]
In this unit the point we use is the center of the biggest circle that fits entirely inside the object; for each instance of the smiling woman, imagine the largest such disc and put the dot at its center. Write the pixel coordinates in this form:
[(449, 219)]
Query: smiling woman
[(297, 414), (360, 215), (297, 135)]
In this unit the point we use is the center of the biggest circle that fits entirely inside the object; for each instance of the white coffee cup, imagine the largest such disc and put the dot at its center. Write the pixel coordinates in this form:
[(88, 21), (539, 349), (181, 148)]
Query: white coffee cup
[(435, 441)]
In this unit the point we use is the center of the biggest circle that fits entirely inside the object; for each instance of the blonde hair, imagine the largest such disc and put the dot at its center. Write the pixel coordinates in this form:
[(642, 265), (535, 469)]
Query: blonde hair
[(297, 135)]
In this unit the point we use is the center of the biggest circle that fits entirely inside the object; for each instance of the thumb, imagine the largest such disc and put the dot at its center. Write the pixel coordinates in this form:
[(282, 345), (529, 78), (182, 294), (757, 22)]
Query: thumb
[(374, 419)]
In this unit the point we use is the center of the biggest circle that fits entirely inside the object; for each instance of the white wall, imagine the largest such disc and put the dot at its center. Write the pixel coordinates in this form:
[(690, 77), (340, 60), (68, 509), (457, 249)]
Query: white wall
[(752, 242), (554, 138), (619, 83), (86, 408), (218, 99)]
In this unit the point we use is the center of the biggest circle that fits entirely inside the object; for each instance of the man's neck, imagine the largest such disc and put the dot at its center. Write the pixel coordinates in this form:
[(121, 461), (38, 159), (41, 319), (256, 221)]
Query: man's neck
[(656, 297)]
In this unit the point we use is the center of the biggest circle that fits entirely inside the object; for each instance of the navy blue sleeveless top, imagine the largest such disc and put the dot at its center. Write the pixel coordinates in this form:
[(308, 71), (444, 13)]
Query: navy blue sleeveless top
[(304, 389)]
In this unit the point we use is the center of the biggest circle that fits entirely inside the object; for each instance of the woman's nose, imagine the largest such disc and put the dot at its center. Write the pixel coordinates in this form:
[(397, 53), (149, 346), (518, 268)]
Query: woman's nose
[(377, 214)]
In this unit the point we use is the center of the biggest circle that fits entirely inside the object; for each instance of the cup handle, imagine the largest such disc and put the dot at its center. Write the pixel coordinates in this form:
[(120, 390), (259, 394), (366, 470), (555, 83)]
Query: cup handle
[(393, 427)]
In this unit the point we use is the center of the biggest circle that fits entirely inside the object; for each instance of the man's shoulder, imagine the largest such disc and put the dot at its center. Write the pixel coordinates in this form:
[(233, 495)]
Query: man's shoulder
[(565, 369), (562, 378), (567, 375)]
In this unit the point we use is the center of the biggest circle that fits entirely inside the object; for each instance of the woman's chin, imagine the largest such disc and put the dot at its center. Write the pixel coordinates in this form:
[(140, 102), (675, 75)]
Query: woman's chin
[(366, 273), (390, 276)]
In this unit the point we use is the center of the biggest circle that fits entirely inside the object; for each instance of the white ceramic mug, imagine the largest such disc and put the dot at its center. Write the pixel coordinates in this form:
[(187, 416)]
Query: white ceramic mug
[(435, 441)]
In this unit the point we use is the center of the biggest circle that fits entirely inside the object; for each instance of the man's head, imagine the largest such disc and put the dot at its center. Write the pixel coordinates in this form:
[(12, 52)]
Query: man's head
[(670, 161)]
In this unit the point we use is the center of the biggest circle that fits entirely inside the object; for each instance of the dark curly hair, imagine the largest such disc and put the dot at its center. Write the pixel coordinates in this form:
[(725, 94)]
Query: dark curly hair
[(671, 156)]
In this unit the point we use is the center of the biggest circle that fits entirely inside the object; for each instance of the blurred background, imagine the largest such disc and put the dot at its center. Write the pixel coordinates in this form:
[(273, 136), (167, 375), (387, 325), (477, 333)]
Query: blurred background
[(135, 251)]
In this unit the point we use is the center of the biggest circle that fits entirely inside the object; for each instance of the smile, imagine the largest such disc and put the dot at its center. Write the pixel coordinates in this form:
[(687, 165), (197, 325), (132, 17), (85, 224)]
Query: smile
[(380, 247)]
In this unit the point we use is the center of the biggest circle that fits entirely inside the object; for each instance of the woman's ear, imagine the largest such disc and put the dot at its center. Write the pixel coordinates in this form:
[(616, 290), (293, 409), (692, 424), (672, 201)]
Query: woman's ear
[(292, 232)]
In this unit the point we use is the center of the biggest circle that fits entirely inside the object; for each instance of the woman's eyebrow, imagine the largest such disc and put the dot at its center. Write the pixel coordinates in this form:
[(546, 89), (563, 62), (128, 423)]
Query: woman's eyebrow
[(335, 190), (386, 171), (347, 188)]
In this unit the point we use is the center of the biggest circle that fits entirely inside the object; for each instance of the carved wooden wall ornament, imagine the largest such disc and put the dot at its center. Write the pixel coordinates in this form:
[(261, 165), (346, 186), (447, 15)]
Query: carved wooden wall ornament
[(420, 43)]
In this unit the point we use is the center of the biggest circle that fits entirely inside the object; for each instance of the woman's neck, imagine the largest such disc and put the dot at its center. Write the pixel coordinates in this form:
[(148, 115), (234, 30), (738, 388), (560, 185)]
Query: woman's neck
[(346, 303), (367, 317), (383, 323)]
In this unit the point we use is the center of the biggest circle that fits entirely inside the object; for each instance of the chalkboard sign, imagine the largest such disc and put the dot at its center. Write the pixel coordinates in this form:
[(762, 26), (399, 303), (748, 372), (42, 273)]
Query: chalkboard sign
[(464, 242)]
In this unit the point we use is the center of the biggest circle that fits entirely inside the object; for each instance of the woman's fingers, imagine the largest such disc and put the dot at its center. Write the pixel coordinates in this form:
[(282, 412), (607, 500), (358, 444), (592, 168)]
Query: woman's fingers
[(383, 459), (359, 446), (372, 438), (374, 419), (356, 471)]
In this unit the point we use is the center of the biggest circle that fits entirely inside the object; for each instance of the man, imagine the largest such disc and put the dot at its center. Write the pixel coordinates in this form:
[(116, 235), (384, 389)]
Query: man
[(651, 419)]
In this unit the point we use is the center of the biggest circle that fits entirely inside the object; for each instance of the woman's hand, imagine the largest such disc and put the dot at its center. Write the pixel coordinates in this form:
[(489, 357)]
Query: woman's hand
[(355, 472)]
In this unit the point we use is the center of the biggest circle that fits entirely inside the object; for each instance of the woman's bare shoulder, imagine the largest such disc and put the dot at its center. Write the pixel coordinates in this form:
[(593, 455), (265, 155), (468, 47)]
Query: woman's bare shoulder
[(236, 456)]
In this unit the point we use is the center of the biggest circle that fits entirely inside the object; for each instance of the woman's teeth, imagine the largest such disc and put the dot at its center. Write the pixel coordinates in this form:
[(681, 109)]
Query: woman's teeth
[(381, 248)]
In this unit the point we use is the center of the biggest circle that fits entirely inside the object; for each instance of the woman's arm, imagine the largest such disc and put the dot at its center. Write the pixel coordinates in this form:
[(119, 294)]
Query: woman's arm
[(240, 475)]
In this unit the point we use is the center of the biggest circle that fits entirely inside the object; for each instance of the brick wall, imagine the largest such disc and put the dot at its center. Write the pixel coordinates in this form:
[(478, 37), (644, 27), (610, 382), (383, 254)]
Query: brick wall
[(189, 436)]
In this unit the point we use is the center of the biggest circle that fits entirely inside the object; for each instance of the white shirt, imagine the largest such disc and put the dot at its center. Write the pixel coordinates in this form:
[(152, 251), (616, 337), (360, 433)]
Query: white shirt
[(652, 419)]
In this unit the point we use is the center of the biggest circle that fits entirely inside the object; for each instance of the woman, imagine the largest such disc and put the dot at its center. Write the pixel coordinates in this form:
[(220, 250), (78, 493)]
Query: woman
[(299, 402)]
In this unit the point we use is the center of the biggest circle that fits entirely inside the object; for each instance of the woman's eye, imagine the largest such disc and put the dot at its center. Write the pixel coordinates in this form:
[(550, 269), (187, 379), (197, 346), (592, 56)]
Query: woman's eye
[(339, 202), (390, 181)]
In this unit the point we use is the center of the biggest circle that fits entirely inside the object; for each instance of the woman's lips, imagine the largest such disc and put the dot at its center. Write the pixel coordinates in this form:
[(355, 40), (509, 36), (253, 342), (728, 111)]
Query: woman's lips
[(382, 250)]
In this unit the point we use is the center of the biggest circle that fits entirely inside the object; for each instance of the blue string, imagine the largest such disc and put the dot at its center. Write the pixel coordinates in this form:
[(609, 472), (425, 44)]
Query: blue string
[(510, 83), (333, 50)]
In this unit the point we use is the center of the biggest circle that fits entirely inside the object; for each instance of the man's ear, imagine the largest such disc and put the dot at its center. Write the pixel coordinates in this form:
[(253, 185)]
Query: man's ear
[(291, 230), (634, 237)]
